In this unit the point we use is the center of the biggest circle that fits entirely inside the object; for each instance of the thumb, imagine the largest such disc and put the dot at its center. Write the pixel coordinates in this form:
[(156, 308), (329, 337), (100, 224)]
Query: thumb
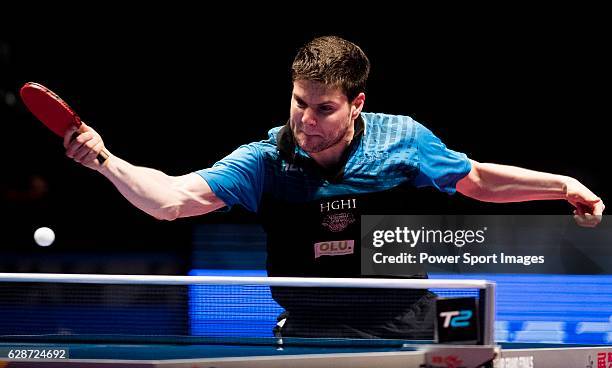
[(69, 135), (84, 127)]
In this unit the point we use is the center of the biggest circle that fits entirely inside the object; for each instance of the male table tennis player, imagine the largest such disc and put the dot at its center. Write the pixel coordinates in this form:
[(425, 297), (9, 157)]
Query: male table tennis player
[(312, 179)]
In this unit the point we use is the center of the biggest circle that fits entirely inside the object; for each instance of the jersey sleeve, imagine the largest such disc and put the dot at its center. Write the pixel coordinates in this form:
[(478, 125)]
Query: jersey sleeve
[(439, 166), (238, 178)]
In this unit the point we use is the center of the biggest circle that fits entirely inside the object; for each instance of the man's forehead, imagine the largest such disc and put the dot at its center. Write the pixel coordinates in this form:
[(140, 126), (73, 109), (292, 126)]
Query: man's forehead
[(318, 92)]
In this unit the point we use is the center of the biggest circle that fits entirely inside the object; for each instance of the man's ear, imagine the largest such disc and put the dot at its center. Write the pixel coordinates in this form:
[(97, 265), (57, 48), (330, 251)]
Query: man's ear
[(357, 103)]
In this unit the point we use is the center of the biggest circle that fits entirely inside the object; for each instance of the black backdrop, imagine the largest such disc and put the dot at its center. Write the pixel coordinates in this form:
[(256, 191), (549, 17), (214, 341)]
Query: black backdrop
[(180, 96)]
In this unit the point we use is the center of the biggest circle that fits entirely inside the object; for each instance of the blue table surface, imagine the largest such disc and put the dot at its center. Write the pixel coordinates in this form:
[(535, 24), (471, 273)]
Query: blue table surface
[(130, 351), (169, 351)]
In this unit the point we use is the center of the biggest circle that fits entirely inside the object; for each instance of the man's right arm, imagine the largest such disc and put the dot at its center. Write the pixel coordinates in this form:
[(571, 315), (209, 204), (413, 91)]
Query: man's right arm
[(160, 195)]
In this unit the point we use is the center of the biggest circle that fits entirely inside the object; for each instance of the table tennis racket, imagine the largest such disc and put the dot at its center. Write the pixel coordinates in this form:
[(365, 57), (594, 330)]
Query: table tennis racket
[(52, 111)]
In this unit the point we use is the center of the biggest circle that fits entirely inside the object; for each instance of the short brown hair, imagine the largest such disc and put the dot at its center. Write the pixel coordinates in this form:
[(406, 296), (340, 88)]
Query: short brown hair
[(333, 61)]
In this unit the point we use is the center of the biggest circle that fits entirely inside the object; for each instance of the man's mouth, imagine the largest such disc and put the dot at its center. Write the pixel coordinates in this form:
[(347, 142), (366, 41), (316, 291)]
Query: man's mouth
[(311, 134)]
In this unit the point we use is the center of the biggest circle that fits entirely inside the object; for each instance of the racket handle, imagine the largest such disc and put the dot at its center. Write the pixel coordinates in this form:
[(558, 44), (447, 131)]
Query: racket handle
[(102, 156)]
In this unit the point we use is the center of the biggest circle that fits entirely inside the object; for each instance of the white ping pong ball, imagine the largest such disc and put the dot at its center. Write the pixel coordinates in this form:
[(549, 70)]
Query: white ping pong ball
[(44, 236)]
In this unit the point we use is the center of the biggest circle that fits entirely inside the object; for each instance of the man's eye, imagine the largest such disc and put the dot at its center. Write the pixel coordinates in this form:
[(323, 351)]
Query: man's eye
[(326, 109)]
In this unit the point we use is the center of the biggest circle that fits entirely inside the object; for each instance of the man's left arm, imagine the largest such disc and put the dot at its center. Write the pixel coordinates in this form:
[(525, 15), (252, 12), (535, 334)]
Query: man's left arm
[(500, 183)]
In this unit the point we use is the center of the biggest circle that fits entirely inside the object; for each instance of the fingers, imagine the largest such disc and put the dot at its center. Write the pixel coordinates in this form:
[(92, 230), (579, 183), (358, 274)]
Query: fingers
[(77, 143), (579, 211), (588, 215), (90, 145), (590, 207), (587, 220), (588, 211), (73, 132), (83, 146), (68, 136), (599, 208), (84, 150), (93, 153)]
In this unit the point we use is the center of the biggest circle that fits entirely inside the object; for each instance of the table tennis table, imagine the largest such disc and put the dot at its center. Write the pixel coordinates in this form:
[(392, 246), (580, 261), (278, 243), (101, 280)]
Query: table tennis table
[(313, 354), (21, 349)]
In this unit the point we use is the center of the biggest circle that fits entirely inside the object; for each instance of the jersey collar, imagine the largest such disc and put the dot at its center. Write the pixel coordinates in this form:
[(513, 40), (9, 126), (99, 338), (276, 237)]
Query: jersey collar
[(291, 152)]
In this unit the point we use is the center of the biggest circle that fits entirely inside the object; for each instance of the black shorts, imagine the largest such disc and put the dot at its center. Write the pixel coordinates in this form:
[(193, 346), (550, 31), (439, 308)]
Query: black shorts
[(414, 322)]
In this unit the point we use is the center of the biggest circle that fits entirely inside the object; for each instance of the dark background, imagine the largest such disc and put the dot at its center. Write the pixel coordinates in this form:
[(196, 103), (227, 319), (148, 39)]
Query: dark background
[(527, 91)]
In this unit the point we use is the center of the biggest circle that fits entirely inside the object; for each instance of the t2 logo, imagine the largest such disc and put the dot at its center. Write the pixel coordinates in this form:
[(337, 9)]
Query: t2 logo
[(460, 318)]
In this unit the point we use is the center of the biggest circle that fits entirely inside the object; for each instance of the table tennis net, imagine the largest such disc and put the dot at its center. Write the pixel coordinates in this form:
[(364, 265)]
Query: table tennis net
[(135, 308)]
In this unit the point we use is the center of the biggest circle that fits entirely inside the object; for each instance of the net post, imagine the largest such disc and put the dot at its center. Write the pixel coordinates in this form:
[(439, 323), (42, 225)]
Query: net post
[(486, 306)]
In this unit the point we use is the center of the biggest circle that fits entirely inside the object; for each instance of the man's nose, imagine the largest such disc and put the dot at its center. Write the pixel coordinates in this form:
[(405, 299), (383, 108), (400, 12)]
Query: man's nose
[(308, 117)]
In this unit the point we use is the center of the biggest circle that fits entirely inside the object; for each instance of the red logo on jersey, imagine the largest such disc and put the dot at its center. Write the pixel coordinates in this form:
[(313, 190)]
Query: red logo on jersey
[(334, 248)]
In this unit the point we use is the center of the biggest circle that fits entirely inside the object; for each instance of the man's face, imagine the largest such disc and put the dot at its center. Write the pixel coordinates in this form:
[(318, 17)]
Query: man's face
[(320, 115)]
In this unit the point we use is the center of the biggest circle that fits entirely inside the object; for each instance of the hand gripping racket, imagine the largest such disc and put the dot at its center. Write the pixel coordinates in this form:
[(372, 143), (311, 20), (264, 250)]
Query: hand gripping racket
[(52, 111)]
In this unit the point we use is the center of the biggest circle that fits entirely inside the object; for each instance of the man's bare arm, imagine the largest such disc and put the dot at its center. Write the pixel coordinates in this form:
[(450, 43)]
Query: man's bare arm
[(502, 183), (160, 195)]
